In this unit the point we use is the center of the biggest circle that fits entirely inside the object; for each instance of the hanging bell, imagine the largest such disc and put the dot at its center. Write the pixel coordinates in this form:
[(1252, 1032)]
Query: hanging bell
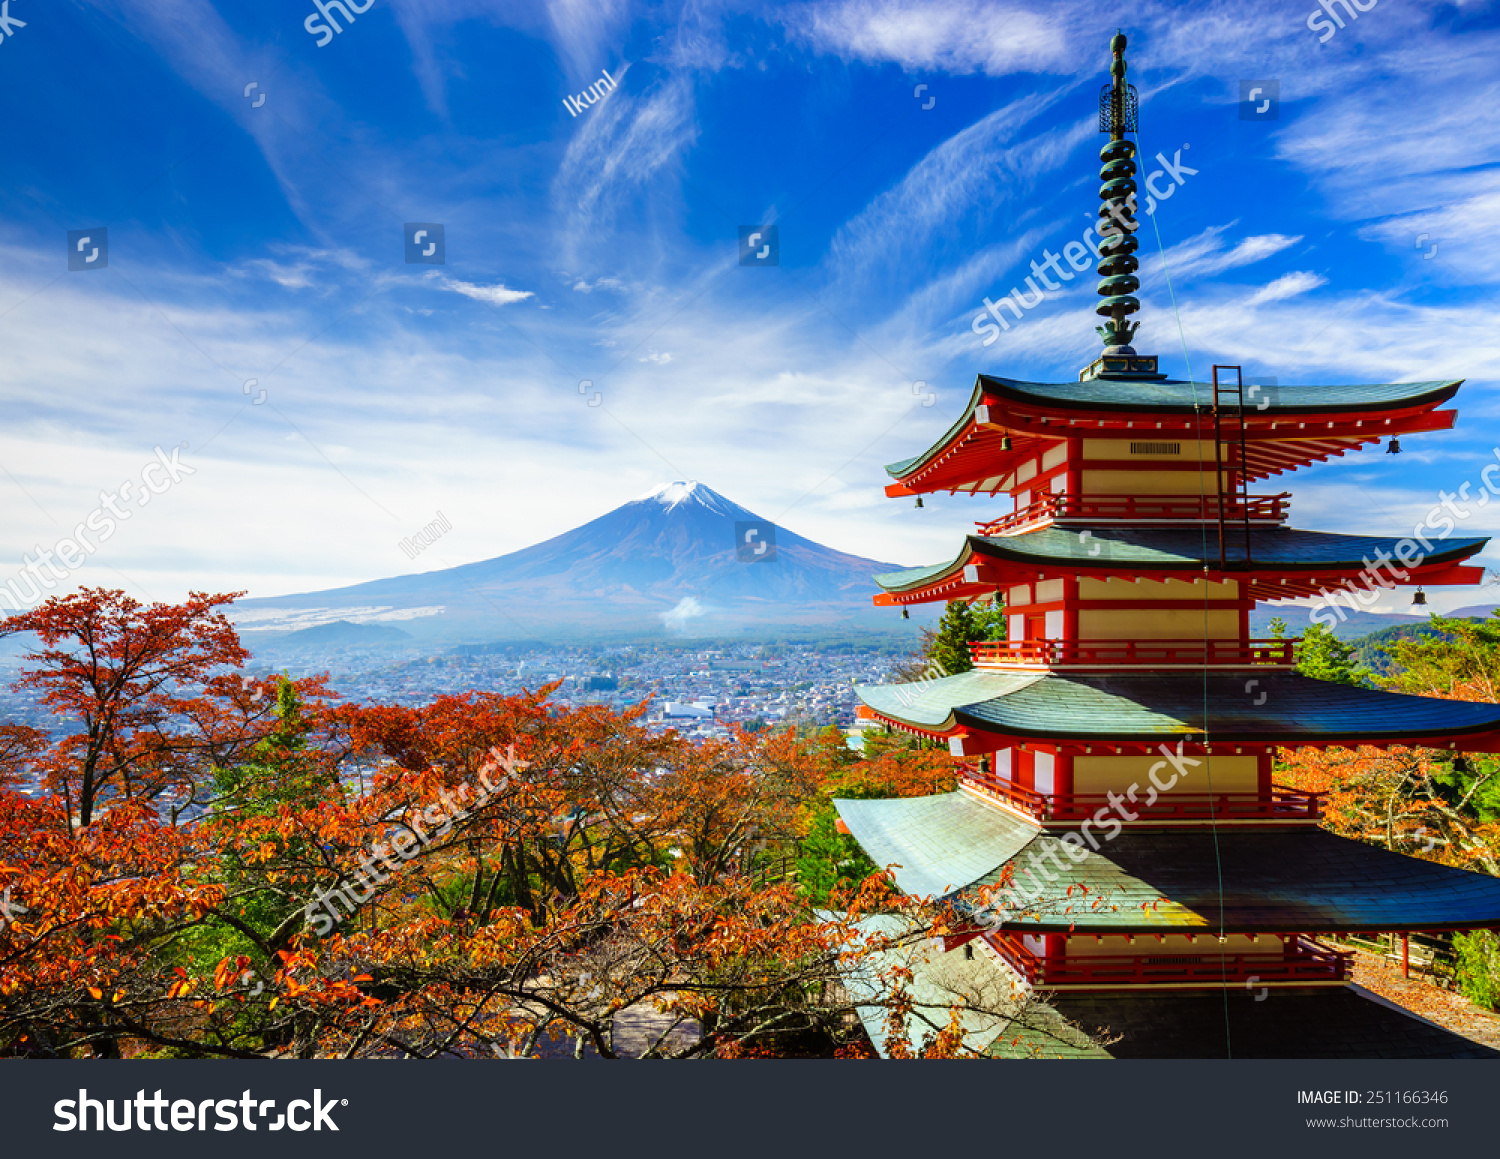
[(919, 500), (1005, 444), (905, 615), (1420, 599), (1393, 447)]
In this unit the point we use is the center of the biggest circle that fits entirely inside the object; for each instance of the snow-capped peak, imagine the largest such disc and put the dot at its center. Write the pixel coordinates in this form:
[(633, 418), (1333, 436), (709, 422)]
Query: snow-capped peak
[(694, 494), (670, 494)]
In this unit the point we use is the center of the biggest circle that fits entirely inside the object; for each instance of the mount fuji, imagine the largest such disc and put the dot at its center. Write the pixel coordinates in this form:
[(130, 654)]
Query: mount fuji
[(677, 561)]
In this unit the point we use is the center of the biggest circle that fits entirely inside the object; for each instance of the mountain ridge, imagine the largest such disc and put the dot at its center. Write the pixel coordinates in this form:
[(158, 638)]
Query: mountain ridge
[(666, 562)]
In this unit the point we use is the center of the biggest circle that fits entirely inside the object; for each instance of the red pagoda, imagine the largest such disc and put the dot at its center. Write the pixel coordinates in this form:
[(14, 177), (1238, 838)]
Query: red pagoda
[(1117, 836)]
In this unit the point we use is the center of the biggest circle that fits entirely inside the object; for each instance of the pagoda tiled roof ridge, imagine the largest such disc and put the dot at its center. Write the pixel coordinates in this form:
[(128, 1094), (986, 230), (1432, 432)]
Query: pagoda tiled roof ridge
[(1148, 708), (1124, 550), (1181, 396), (1275, 879), (1175, 397)]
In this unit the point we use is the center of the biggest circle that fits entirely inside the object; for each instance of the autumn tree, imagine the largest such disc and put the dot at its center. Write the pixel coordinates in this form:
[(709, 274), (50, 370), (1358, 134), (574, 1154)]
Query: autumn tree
[(228, 867), (1439, 805), (144, 690), (827, 856)]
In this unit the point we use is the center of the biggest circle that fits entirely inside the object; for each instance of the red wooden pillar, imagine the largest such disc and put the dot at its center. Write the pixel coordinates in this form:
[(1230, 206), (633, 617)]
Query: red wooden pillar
[(1406, 955), (1063, 772), (1070, 608)]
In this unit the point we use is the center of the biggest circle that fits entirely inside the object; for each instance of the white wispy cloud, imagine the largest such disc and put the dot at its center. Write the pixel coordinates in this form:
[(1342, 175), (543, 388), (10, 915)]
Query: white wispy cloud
[(1391, 125), (496, 295), (297, 267), (585, 33), (1206, 254), (1410, 145), (624, 145), (959, 36), (975, 170), (1287, 286), (583, 286)]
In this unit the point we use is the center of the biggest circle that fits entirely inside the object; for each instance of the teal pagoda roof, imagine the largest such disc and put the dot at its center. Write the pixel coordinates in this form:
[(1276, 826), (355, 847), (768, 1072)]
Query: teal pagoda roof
[(1343, 416), (1174, 396), (1123, 550), (1151, 707), (1149, 880)]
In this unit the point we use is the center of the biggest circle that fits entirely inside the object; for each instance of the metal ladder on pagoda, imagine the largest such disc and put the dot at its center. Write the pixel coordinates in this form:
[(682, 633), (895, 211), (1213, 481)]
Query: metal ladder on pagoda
[(1230, 477)]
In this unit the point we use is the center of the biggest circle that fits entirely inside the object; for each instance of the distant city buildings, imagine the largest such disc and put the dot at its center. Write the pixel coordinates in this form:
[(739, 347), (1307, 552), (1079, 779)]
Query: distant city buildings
[(702, 694)]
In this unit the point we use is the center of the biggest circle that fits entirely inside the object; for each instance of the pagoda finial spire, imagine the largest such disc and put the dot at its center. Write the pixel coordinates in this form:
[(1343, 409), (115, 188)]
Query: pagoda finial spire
[(1117, 244)]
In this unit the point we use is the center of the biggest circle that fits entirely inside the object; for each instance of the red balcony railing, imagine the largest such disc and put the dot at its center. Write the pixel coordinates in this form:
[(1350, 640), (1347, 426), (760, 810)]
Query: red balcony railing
[(1130, 653), (1280, 803), (1141, 508), (1302, 960)]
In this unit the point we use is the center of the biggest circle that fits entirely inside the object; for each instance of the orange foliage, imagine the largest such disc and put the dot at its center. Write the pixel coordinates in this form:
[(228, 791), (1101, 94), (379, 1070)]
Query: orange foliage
[(235, 868), (1392, 798)]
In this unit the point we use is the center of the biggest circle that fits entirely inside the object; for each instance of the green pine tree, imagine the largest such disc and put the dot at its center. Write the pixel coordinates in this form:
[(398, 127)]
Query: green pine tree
[(950, 647), (1323, 656), (988, 620), (1458, 658)]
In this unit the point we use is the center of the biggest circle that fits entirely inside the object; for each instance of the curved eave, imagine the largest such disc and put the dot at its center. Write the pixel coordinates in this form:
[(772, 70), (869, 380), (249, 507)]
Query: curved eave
[(1274, 572), (1309, 880), (965, 420), (1144, 709), (1154, 881), (1107, 550), (1180, 397), (928, 706), (1301, 428)]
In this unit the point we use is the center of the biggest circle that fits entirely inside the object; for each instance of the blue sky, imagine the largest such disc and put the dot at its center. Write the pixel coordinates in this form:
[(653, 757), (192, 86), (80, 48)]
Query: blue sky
[(265, 242)]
